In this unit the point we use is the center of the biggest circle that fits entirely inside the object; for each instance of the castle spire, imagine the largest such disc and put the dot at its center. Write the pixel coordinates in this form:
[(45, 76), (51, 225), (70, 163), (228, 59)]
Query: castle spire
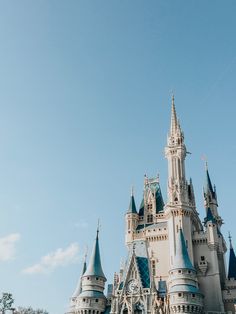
[(232, 261), (95, 266), (208, 184), (181, 260), (132, 206), (175, 152), (210, 197), (174, 121), (78, 289)]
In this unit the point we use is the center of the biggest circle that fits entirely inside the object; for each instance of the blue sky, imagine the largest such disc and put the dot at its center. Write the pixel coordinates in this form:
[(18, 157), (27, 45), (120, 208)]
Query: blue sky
[(85, 92)]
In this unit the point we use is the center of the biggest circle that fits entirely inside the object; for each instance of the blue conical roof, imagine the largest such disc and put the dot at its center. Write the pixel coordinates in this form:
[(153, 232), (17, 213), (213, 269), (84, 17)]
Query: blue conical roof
[(141, 208), (208, 182), (132, 206), (78, 289), (232, 263), (182, 259), (95, 266), (209, 216)]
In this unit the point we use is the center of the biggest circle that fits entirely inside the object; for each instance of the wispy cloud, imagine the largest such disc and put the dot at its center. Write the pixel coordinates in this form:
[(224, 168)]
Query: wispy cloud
[(8, 246), (60, 257)]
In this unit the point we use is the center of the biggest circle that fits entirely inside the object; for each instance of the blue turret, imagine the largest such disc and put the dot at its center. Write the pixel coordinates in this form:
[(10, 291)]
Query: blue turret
[(92, 296), (210, 195), (131, 219), (211, 203), (181, 260), (95, 266), (208, 185), (209, 217), (232, 261), (132, 206), (183, 285), (78, 289)]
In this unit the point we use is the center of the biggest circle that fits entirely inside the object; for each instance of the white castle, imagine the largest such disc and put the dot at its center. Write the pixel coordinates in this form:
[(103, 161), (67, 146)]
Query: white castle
[(176, 263)]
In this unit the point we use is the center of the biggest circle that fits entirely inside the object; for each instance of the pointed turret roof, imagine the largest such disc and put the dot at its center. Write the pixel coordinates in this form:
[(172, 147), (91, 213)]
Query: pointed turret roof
[(182, 259), (141, 208), (132, 206), (174, 121), (209, 216), (78, 289), (95, 266), (208, 182), (232, 261)]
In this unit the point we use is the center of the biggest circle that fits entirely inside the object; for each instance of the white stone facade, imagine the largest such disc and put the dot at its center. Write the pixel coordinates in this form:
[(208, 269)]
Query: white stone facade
[(176, 264)]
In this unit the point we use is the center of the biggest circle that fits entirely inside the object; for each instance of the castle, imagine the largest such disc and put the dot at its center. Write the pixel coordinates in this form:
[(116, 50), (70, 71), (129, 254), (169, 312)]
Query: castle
[(176, 263)]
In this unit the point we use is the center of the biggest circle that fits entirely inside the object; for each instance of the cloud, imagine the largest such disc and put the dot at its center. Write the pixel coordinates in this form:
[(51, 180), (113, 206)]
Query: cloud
[(60, 257), (8, 246)]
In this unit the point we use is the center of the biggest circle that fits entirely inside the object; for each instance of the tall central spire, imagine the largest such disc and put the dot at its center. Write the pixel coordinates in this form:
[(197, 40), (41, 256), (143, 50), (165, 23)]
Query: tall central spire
[(174, 120), (175, 152)]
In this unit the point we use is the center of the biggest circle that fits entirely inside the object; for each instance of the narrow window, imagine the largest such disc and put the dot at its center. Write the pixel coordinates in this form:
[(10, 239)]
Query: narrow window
[(149, 218), (153, 268), (149, 206)]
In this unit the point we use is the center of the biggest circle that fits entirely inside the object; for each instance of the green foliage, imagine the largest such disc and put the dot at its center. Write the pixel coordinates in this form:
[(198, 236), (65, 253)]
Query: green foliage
[(29, 310), (6, 302)]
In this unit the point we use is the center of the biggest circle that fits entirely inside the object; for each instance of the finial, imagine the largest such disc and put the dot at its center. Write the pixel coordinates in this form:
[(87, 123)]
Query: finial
[(173, 98), (132, 190), (98, 227), (174, 120), (230, 240)]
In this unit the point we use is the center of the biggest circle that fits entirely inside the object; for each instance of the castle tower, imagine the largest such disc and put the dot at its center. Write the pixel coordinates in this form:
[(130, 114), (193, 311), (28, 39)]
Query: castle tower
[(78, 289), (176, 153), (210, 198), (184, 294), (131, 220), (180, 208), (91, 298)]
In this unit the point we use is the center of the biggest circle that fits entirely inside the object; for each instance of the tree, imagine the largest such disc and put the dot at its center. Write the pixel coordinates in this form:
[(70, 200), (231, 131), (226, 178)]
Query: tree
[(6, 302), (29, 310)]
